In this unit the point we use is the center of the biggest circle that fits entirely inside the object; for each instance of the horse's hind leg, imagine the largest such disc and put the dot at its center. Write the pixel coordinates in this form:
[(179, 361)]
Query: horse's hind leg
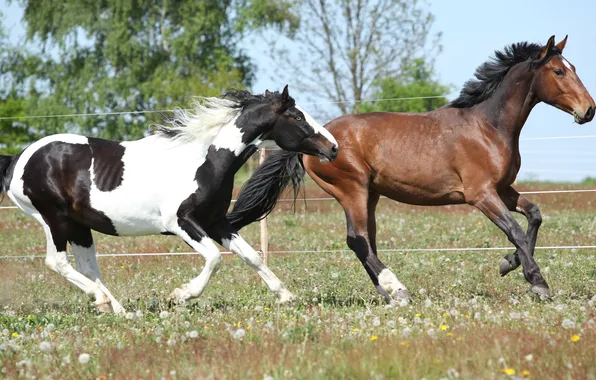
[(83, 249), (515, 202), (361, 239), (57, 233)]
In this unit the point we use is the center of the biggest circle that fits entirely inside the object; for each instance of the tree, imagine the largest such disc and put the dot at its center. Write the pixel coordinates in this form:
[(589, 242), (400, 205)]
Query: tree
[(121, 56), (344, 47), (416, 80)]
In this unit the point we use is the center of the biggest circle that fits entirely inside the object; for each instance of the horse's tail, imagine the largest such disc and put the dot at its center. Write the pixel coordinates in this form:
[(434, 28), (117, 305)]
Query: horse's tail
[(5, 162), (260, 193)]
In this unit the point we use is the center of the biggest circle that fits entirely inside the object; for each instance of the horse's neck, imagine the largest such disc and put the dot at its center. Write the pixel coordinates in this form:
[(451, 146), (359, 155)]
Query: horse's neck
[(509, 107)]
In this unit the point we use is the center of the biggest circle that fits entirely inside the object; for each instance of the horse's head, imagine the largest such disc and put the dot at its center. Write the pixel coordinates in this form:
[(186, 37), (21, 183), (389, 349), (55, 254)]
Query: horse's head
[(556, 83), (295, 130)]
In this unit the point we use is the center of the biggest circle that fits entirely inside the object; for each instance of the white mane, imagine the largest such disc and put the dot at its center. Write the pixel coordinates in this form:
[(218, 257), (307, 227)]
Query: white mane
[(202, 121)]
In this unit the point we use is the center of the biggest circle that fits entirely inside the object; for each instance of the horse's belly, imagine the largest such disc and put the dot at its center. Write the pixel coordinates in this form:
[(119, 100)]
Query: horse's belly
[(420, 189)]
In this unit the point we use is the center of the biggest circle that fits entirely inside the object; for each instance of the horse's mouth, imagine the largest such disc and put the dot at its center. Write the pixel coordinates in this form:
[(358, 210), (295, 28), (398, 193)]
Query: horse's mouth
[(324, 159), (578, 119)]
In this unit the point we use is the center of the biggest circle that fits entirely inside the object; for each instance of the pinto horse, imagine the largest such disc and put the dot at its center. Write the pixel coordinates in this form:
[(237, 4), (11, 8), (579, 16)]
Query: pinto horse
[(465, 152), (177, 181)]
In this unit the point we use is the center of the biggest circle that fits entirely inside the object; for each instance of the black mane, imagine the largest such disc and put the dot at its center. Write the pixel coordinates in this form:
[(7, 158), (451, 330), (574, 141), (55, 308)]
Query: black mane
[(491, 73), (246, 99), (241, 99)]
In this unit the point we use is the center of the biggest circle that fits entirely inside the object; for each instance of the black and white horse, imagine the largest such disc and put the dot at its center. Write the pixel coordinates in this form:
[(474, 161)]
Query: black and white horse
[(178, 181)]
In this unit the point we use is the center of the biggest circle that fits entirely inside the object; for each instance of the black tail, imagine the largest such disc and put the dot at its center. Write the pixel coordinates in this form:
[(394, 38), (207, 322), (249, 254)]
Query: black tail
[(260, 193), (5, 162)]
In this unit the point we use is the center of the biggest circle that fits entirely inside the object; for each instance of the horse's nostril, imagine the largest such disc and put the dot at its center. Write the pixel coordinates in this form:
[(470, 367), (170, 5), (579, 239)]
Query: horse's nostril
[(589, 114), (334, 149)]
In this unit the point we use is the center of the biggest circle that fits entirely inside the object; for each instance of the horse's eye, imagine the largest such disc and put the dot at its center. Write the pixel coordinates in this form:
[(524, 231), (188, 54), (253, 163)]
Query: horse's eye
[(559, 72), (298, 118)]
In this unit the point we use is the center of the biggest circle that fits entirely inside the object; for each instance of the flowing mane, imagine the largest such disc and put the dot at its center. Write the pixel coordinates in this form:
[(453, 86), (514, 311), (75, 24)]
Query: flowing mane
[(204, 118), (490, 74)]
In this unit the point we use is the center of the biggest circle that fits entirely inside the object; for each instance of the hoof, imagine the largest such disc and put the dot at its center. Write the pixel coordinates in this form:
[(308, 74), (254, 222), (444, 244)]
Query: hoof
[(401, 296), (507, 264), (105, 308), (285, 298), (539, 291)]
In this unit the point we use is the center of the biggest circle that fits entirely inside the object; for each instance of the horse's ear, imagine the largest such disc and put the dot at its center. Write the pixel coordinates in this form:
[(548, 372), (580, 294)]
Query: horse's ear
[(267, 93), (561, 45), (285, 101), (285, 96), (547, 50)]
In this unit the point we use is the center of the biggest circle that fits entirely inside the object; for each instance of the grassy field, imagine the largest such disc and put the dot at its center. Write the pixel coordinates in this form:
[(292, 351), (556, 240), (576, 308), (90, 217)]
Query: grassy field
[(464, 320)]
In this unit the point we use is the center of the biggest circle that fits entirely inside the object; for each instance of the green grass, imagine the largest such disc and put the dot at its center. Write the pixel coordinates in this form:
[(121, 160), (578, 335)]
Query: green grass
[(464, 319)]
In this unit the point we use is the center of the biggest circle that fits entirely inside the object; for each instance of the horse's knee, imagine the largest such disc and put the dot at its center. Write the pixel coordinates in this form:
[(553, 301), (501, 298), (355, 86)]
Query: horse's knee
[(214, 260), (534, 216)]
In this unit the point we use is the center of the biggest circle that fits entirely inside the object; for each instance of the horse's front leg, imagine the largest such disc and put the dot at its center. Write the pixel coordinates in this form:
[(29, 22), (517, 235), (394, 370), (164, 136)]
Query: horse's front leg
[(194, 235), (491, 205), (515, 202), (227, 236)]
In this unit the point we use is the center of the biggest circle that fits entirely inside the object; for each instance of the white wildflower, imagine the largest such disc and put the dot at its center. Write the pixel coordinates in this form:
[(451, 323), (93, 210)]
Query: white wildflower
[(239, 334), (194, 334), (129, 315), (45, 346), (84, 358), (164, 314)]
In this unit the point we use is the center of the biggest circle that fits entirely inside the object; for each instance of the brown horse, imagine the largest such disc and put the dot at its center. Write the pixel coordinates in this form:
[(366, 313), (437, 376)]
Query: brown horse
[(465, 152)]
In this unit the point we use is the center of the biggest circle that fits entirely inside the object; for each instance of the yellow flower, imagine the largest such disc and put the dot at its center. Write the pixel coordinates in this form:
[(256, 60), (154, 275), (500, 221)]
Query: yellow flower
[(479, 223), (374, 337), (508, 371), (417, 314), (266, 308), (449, 334), (283, 315), (525, 373), (575, 338), (444, 327), (444, 314), (404, 342), (248, 327), (460, 338), (15, 335), (355, 329), (122, 266), (437, 361)]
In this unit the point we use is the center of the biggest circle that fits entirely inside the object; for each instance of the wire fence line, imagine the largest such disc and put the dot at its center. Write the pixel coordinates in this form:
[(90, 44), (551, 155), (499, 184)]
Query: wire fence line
[(388, 250), (120, 113), (384, 197)]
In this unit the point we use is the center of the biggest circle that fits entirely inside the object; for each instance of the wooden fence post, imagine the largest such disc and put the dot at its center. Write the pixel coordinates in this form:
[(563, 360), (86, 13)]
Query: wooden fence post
[(264, 232)]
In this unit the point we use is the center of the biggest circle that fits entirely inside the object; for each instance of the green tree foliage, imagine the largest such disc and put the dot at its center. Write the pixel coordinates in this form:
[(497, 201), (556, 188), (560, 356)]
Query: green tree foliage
[(416, 80), (122, 55)]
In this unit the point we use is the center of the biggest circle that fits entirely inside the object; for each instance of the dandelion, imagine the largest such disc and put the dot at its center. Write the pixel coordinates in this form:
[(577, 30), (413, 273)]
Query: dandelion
[(84, 358), (529, 357), (266, 309), (129, 315), (568, 324), (449, 334), (171, 342), (374, 337), (66, 360), (525, 373), (15, 335), (508, 371), (575, 338), (355, 329), (239, 334), (163, 314), (444, 327), (406, 332), (45, 346), (194, 334), (139, 313)]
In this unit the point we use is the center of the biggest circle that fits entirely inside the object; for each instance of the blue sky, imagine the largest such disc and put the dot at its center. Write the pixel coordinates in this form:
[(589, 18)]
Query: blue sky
[(472, 30)]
